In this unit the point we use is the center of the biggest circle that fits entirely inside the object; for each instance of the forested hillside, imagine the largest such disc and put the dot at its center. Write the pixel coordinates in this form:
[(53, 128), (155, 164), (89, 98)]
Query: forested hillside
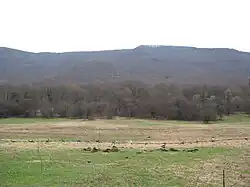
[(149, 64)]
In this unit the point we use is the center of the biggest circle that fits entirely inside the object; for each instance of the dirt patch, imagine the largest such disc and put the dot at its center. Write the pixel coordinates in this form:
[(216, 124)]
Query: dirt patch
[(101, 133), (107, 131), (128, 145)]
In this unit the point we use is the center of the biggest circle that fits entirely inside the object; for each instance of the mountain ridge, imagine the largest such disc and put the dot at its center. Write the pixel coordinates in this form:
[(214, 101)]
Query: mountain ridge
[(151, 64), (140, 46)]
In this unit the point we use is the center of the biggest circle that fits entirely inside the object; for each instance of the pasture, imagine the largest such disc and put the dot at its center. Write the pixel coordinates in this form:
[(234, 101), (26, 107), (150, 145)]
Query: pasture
[(124, 152)]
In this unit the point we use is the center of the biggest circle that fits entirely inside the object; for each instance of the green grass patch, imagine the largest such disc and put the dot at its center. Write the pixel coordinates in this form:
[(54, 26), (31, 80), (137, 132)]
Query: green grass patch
[(232, 119), (29, 120), (236, 118), (167, 122), (147, 122), (80, 168)]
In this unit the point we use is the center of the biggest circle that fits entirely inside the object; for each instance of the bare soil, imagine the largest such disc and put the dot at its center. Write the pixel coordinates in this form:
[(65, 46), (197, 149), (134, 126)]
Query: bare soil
[(134, 145), (125, 134)]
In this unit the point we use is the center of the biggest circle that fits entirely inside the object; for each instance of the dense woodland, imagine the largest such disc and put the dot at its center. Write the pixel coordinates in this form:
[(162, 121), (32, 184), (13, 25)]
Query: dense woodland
[(126, 99)]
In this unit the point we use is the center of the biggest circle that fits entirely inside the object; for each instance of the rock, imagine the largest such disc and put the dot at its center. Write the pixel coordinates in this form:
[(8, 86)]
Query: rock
[(173, 149), (163, 146), (87, 149), (114, 149), (107, 150), (94, 150), (164, 149), (192, 150)]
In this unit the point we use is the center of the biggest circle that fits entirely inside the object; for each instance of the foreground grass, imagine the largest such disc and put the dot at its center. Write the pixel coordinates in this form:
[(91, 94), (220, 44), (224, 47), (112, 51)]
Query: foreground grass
[(30, 120), (124, 168)]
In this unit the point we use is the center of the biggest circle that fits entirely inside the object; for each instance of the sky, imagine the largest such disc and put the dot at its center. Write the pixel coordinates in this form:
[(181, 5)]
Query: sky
[(89, 25)]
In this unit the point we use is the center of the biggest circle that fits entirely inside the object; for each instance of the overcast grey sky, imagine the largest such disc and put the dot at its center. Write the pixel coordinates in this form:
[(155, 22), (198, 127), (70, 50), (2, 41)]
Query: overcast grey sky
[(79, 25)]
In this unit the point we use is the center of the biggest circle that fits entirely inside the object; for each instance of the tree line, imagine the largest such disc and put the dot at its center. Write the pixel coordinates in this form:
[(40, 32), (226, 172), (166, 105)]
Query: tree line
[(125, 99)]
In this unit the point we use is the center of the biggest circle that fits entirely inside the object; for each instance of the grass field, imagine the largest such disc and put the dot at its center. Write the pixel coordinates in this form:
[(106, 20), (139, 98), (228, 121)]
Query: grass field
[(29, 120), (38, 152)]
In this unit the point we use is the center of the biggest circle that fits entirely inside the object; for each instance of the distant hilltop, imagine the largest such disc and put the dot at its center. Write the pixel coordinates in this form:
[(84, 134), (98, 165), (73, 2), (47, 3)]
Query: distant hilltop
[(147, 63)]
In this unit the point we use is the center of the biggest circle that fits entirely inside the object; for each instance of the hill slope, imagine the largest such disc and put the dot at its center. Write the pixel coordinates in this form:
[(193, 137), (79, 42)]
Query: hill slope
[(183, 65)]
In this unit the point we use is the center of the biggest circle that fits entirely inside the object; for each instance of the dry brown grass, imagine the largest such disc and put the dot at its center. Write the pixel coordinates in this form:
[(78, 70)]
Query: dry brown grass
[(125, 131), (209, 172), (135, 145)]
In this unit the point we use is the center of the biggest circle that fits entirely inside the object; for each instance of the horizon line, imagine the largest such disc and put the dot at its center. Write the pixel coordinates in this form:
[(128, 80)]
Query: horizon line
[(120, 49)]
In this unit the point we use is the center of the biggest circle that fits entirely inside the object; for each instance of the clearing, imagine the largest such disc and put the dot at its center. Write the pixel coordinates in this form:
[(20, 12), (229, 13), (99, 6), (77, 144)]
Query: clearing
[(38, 152)]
